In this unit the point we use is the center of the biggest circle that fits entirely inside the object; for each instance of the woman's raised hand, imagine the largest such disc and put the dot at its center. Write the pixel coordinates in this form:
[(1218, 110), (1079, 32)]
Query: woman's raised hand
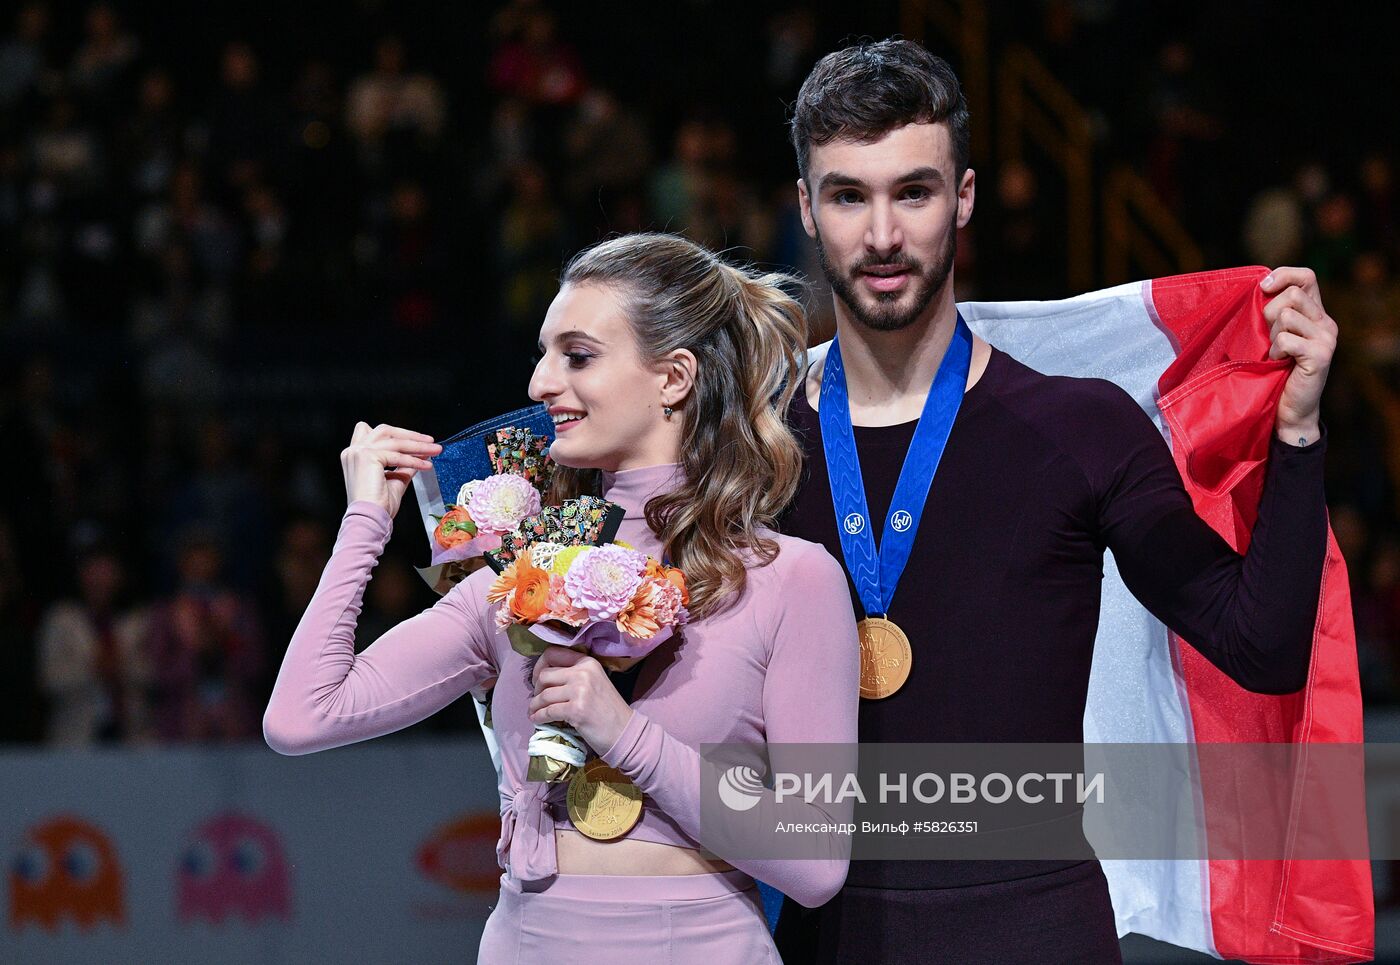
[(379, 463)]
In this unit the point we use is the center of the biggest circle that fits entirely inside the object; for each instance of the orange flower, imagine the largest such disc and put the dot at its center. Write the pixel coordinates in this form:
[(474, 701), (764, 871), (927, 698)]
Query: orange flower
[(505, 582), (455, 528), (531, 591), (674, 574), (638, 618), (654, 569)]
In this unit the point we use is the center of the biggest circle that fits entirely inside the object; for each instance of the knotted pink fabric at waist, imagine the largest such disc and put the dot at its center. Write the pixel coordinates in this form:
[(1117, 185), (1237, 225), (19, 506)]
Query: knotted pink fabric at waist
[(526, 846)]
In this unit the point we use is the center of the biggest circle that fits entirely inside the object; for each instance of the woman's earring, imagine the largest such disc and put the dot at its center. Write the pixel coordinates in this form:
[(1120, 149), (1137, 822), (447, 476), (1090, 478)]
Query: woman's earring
[(666, 410)]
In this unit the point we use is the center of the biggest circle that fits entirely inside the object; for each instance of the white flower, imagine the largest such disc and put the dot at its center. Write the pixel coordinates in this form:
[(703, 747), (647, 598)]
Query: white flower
[(542, 554), (464, 494)]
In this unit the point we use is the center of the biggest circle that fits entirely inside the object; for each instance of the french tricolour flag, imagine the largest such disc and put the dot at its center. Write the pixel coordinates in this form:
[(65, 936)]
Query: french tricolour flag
[(1193, 351)]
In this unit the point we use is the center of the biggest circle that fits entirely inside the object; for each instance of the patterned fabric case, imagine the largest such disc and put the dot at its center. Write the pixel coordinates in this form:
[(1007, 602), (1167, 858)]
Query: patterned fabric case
[(585, 521)]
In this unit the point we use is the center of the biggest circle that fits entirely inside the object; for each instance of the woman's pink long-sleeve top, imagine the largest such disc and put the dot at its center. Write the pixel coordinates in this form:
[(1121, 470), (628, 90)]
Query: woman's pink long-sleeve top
[(780, 666)]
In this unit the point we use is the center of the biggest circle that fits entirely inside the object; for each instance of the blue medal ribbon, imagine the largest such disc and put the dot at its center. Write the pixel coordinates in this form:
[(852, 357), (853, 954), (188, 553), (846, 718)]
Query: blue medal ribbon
[(876, 574)]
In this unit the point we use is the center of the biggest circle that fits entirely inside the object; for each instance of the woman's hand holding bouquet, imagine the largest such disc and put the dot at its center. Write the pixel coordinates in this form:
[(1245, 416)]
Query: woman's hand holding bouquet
[(573, 688)]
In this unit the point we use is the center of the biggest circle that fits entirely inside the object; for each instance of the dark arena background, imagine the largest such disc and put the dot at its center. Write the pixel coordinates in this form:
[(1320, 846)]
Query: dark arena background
[(231, 231)]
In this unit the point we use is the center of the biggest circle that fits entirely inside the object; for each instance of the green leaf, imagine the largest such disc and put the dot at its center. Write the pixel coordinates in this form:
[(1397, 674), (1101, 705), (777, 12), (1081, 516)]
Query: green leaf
[(523, 642)]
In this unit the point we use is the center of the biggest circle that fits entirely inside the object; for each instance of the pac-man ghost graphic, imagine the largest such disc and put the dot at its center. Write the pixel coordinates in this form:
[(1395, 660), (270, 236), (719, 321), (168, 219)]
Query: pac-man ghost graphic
[(462, 854), (233, 864), (66, 868)]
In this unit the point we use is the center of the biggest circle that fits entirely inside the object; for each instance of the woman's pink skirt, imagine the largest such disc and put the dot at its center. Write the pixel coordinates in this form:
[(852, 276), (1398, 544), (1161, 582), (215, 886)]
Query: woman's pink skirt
[(705, 919)]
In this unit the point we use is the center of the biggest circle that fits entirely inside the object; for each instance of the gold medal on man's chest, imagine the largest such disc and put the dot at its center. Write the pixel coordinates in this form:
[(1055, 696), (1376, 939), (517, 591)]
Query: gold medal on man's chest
[(603, 803), (885, 657)]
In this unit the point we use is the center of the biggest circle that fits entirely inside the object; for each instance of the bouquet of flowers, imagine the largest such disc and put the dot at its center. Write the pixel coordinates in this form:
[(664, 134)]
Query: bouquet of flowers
[(562, 581), (487, 509)]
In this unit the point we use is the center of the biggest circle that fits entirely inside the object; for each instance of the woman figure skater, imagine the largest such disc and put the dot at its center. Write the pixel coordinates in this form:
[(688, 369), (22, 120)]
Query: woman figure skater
[(666, 371)]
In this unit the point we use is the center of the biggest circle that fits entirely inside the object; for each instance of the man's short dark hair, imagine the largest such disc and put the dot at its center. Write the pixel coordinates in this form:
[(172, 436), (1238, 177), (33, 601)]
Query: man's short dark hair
[(865, 91)]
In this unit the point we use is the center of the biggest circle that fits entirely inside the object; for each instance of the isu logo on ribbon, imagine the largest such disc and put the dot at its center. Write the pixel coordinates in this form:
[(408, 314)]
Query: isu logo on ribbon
[(855, 523), (901, 521)]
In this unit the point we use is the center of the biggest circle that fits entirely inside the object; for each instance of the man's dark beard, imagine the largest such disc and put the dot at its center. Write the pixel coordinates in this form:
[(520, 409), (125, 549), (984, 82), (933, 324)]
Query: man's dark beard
[(891, 319)]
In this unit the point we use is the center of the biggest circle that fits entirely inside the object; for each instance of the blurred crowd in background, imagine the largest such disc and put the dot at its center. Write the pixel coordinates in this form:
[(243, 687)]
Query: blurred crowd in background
[(230, 233)]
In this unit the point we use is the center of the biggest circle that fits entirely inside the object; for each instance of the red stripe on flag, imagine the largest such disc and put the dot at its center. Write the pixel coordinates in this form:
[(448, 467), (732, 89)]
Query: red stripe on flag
[(1219, 399)]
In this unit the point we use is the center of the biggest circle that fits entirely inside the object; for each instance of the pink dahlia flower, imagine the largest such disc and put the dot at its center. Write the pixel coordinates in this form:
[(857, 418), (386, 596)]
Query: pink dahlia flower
[(499, 503), (603, 579)]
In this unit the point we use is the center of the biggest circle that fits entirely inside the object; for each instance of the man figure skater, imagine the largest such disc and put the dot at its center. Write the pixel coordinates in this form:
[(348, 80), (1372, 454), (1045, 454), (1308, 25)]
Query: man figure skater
[(973, 511)]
